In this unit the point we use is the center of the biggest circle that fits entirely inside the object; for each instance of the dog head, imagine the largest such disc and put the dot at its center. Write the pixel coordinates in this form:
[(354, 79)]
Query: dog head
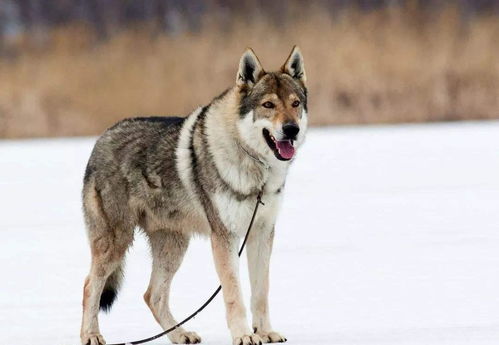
[(272, 106)]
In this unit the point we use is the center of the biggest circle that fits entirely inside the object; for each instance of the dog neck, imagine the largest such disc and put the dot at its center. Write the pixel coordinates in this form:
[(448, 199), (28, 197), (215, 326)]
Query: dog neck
[(237, 163)]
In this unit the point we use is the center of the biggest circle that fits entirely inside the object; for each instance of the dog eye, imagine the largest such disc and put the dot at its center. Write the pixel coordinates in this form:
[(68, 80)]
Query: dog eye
[(268, 105), (295, 104)]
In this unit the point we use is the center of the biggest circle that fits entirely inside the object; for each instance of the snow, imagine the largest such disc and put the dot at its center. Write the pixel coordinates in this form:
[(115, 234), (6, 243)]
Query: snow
[(388, 235)]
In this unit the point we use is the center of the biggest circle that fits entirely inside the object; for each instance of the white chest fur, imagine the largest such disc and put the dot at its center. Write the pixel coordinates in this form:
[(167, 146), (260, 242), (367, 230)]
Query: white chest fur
[(236, 214)]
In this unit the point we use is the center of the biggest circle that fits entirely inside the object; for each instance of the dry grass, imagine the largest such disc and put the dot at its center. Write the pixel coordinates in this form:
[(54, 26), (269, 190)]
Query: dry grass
[(392, 65)]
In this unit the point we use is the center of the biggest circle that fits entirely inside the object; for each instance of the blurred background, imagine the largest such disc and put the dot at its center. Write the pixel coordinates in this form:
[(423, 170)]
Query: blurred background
[(387, 233), (74, 67)]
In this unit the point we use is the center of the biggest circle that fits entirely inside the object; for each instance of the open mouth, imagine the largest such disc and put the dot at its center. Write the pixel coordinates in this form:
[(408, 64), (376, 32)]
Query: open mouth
[(283, 149)]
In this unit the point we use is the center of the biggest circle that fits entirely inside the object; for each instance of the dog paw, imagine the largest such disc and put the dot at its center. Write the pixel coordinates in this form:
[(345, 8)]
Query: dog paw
[(271, 337), (253, 339), (187, 338), (93, 339)]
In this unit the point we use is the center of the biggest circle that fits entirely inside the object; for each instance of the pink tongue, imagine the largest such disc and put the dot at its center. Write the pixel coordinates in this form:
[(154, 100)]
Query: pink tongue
[(286, 149)]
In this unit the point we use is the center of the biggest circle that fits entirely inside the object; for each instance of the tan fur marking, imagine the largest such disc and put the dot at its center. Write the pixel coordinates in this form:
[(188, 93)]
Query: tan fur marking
[(86, 293), (147, 297), (100, 246)]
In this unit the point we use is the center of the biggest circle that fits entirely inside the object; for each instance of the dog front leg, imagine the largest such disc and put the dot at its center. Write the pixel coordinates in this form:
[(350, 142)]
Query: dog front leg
[(259, 250), (224, 248)]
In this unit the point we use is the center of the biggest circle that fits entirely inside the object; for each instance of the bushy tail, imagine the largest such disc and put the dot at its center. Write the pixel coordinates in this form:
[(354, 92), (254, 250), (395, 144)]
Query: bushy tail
[(110, 292)]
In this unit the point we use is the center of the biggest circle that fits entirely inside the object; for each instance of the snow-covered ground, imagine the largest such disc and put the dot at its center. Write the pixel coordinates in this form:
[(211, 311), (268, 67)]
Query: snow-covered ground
[(388, 235)]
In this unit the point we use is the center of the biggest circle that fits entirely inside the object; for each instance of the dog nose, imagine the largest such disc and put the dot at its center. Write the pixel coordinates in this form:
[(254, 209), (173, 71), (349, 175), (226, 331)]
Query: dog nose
[(290, 130)]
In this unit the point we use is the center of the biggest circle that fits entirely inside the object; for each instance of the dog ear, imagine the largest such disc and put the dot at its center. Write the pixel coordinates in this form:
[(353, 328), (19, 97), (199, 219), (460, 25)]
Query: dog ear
[(250, 69), (294, 65)]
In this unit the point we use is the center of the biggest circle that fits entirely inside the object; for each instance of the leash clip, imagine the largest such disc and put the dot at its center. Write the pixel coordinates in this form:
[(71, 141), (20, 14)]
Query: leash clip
[(259, 199)]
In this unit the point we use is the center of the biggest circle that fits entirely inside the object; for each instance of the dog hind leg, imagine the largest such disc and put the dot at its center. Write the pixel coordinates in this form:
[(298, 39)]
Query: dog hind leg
[(104, 266), (109, 240)]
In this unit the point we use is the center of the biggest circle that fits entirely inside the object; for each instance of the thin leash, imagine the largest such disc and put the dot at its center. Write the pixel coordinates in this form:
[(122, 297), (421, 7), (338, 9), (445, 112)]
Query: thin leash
[(208, 301)]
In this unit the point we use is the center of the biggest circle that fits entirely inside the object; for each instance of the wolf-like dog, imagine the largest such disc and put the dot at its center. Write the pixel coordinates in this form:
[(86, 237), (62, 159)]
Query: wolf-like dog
[(173, 177)]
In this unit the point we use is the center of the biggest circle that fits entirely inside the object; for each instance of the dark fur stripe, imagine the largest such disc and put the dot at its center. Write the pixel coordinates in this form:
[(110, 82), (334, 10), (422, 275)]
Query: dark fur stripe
[(227, 187), (214, 220), (164, 120), (222, 95), (194, 158)]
